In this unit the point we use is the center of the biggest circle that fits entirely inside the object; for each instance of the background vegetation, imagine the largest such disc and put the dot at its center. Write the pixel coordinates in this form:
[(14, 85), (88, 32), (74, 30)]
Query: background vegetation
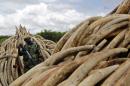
[(47, 34), (3, 38), (51, 35)]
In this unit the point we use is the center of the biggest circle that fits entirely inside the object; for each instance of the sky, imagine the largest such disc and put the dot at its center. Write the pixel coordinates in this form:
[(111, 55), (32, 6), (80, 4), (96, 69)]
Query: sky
[(55, 15)]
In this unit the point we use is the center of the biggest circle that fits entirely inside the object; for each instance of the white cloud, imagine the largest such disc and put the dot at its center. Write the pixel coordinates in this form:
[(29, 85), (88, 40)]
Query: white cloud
[(101, 14), (38, 16)]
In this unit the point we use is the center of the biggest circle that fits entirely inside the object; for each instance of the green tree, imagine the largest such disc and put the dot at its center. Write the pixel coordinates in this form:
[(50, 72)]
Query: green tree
[(3, 38), (51, 35)]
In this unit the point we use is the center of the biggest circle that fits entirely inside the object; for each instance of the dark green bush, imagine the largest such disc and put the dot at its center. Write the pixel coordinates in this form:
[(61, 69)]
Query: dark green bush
[(3, 38), (51, 35), (47, 34)]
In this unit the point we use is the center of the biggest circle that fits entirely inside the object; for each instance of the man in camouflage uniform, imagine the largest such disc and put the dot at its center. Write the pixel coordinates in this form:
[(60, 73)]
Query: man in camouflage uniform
[(30, 52)]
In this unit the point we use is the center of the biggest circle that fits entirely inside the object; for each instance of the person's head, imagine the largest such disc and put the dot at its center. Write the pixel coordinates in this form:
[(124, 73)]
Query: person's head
[(28, 40), (20, 45)]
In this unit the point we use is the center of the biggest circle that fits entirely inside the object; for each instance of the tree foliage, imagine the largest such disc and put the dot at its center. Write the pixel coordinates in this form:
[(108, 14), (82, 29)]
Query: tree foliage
[(51, 35), (47, 34), (3, 38)]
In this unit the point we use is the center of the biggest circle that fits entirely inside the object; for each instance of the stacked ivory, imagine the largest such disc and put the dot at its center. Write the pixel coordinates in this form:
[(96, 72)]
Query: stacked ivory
[(94, 53), (11, 63)]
